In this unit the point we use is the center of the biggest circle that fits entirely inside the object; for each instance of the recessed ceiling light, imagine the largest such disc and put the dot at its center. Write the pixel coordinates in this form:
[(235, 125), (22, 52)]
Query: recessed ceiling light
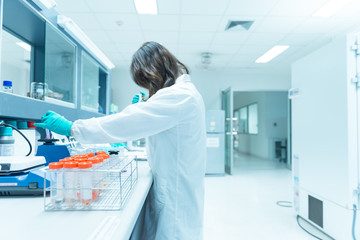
[(330, 8), (271, 54), (146, 6)]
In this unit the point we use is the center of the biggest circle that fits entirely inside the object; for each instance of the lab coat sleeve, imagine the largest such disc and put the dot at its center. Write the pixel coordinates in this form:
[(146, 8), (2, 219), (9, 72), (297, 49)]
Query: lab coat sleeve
[(159, 113)]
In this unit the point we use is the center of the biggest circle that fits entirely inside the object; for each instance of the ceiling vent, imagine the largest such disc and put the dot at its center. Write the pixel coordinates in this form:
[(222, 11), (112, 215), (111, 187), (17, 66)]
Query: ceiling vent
[(238, 25)]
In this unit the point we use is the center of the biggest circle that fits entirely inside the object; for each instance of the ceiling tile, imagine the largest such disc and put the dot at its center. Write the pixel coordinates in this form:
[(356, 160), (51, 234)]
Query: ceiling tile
[(233, 38), (299, 38), (128, 49), (162, 37), (111, 6), (278, 24), (265, 38), (297, 8), (224, 49), (134, 37), (71, 6), (189, 59), (196, 23), (204, 7), (253, 51), (350, 10), (159, 22), (245, 7), (169, 7), (107, 47), (194, 49), (203, 38), (97, 36), (240, 61), (320, 25), (109, 21), (84, 20)]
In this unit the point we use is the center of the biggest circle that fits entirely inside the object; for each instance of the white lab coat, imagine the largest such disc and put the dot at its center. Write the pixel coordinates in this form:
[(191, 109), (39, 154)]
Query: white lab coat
[(173, 119)]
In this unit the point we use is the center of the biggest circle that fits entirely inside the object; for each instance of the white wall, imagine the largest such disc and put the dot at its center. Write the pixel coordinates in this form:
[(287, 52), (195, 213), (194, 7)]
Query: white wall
[(272, 108), (123, 88), (209, 83)]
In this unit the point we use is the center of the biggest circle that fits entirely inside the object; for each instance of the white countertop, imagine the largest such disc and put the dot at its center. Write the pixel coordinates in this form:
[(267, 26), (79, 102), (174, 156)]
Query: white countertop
[(25, 218)]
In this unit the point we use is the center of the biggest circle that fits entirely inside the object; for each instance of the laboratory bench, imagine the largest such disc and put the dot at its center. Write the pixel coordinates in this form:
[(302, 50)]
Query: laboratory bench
[(25, 218)]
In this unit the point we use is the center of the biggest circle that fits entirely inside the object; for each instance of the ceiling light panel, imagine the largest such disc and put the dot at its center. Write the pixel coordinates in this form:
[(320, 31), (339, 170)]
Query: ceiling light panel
[(330, 8), (204, 7), (253, 7), (296, 8), (146, 7), (271, 54)]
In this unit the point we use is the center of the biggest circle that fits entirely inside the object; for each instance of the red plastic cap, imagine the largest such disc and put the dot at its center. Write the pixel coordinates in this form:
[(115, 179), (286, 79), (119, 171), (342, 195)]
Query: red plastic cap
[(31, 125), (71, 164), (90, 154), (55, 165), (104, 156), (96, 160), (85, 165), (67, 159)]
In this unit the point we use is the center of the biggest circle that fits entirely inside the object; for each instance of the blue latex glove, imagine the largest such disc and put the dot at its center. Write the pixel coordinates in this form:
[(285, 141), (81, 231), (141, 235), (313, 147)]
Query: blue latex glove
[(55, 123), (136, 98)]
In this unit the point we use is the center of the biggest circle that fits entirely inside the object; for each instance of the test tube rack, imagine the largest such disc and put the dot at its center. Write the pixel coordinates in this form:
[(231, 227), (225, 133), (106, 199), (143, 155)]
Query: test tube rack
[(112, 188)]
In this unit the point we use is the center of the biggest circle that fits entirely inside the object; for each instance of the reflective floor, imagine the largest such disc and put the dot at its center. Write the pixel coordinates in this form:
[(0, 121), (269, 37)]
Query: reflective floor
[(243, 206)]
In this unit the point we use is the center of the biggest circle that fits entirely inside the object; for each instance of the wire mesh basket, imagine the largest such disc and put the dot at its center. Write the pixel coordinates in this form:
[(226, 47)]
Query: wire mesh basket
[(103, 188)]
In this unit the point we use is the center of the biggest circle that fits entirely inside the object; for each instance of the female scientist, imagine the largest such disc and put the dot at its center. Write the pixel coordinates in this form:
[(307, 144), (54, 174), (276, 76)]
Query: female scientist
[(173, 120)]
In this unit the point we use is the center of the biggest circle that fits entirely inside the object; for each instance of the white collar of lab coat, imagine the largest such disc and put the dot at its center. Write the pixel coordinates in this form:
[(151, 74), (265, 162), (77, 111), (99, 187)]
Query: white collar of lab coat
[(183, 78)]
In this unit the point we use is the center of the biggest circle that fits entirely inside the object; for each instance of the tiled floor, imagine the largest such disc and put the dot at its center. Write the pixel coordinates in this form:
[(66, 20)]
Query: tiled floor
[(243, 205)]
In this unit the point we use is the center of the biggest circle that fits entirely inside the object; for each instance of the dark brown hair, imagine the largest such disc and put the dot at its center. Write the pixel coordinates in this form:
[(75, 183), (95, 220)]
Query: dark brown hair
[(153, 67)]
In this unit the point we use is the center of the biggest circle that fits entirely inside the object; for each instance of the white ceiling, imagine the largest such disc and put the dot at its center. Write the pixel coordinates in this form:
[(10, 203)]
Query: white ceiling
[(190, 27)]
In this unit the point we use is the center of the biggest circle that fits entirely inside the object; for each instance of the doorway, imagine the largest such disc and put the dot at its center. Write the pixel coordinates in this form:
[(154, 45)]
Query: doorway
[(258, 129)]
